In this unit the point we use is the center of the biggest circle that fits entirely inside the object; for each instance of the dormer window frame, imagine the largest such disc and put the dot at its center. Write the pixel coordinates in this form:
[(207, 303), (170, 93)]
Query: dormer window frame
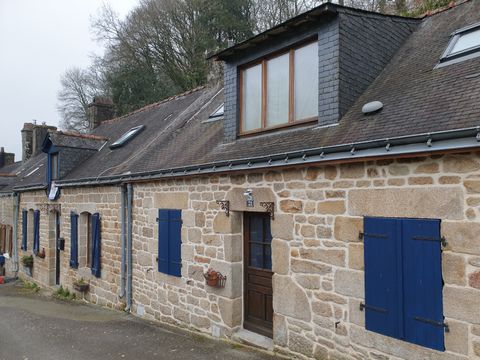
[(263, 61), (448, 56)]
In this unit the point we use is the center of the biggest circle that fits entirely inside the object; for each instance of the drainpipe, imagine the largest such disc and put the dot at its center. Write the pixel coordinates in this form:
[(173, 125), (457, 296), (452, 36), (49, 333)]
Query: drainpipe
[(129, 247), (16, 206), (123, 241)]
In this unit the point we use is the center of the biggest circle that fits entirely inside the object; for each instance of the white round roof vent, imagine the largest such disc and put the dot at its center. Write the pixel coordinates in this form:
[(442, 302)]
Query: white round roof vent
[(372, 107)]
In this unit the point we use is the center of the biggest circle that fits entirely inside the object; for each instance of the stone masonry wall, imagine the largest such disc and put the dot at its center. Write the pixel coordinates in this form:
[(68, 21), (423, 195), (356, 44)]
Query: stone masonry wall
[(6, 218), (317, 257)]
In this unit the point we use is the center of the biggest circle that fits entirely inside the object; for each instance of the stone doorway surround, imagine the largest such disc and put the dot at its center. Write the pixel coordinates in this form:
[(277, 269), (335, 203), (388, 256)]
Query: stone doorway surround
[(282, 228)]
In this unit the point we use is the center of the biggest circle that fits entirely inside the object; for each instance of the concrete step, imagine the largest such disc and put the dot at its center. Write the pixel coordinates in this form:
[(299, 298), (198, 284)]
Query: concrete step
[(253, 339)]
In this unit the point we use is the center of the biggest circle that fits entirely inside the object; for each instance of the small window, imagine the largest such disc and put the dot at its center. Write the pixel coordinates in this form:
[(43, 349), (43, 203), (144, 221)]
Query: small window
[(129, 135), (464, 44), (170, 242), (54, 167), (6, 243), (280, 90)]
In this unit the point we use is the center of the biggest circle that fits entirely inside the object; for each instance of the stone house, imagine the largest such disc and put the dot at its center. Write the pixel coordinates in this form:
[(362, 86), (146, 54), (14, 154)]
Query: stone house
[(341, 210)]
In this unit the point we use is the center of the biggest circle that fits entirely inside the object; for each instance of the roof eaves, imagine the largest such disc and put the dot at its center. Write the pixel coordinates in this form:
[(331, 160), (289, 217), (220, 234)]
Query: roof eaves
[(452, 140), (308, 16)]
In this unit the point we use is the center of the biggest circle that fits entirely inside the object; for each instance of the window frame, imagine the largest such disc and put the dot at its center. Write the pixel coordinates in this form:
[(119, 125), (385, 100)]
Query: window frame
[(290, 50), (455, 36)]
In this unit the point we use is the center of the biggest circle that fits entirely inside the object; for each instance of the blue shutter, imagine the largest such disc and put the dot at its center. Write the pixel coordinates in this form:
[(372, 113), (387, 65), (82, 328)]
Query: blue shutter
[(36, 231), (169, 241), (382, 272), (24, 229), (175, 243), (423, 283), (74, 240), (96, 248)]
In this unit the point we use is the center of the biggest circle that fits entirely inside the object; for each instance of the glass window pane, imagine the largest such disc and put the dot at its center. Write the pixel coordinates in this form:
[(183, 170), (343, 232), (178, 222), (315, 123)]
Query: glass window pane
[(252, 98), (467, 41), (268, 233), (256, 229), (306, 82), (256, 255), (267, 260), (277, 90)]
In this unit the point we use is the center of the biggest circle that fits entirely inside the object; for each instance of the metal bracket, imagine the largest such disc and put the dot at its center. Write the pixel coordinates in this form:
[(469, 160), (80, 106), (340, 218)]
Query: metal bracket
[(225, 206), (270, 208), (361, 235)]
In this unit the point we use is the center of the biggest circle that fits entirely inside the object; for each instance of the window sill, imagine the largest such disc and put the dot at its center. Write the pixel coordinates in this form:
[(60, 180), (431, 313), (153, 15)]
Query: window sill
[(278, 127)]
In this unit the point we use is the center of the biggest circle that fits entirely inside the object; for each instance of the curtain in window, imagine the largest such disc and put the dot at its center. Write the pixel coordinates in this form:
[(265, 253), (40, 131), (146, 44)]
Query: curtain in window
[(74, 240), (36, 231), (96, 245)]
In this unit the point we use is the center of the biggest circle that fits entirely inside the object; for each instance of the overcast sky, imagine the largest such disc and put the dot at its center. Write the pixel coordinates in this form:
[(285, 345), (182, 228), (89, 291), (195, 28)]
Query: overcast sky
[(39, 40)]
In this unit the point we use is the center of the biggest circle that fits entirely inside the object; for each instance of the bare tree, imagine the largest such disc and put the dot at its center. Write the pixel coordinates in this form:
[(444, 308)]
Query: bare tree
[(77, 91)]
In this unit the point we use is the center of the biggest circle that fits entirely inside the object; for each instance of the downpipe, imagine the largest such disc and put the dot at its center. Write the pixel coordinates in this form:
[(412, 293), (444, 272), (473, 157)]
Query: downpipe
[(16, 207), (123, 241), (129, 246)]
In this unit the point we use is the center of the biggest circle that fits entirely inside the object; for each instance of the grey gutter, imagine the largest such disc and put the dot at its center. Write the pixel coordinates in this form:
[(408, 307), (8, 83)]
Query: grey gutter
[(404, 145), (30, 187)]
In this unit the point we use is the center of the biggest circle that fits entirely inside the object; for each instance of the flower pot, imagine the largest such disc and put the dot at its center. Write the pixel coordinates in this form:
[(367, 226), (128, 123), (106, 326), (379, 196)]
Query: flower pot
[(212, 281), (27, 270), (81, 287)]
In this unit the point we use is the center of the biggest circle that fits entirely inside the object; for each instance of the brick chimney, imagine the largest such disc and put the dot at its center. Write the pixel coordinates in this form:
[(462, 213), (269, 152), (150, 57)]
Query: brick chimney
[(32, 138), (99, 110), (6, 158)]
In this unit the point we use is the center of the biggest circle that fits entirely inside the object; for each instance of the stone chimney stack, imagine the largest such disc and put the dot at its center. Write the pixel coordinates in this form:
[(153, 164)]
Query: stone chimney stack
[(6, 158), (32, 139), (99, 110)]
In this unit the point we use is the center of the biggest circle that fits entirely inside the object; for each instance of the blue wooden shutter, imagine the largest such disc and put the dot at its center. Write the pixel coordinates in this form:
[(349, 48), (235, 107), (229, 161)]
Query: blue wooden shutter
[(423, 283), (24, 229), (96, 248), (382, 272), (36, 231), (169, 241), (74, 240)]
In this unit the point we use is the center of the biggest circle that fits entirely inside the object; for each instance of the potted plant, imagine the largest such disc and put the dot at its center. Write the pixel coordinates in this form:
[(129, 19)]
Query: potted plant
[(214, 278), (27, 262), (81, 285), (41, 254)]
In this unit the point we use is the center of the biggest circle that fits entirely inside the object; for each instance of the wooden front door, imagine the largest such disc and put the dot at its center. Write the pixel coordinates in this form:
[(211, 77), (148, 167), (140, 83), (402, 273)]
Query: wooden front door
[(258, 274)]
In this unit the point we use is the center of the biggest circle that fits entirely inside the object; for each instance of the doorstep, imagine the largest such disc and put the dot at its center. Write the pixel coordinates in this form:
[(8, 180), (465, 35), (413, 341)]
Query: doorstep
[(253, 339)]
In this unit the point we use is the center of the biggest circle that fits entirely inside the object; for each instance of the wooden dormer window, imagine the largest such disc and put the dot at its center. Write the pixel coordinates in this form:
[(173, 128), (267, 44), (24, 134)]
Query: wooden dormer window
[(280, 90)]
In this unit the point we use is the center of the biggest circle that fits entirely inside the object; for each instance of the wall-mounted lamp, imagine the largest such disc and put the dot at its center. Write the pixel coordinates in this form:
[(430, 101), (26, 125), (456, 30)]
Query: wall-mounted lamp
[(249, 197)]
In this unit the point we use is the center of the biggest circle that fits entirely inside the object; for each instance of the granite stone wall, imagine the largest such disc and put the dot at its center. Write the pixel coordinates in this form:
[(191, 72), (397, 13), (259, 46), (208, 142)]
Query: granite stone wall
[(317, 255)]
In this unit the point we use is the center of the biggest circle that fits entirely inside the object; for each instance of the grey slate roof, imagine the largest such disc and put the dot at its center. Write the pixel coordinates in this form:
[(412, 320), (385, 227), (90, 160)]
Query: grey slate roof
[(417, 99)]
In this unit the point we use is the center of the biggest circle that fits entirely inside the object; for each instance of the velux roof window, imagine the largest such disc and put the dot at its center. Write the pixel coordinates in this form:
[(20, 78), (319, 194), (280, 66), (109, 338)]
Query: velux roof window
[(129, 135), (464, 44)]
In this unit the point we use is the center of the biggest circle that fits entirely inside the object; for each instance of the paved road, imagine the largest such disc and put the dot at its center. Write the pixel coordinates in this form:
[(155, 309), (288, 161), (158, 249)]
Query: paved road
[(36, 327)]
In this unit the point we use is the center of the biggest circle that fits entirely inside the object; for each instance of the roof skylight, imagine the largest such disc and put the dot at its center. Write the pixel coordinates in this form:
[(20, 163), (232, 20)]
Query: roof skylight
[(129, 135), (464, 44), (218, 112)]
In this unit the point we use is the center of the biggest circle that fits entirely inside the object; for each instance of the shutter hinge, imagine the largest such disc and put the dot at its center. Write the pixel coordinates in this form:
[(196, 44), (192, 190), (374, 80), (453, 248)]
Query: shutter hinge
[(374, 308), (433, 322), (442, 240), (360, 235), (157, 219)]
